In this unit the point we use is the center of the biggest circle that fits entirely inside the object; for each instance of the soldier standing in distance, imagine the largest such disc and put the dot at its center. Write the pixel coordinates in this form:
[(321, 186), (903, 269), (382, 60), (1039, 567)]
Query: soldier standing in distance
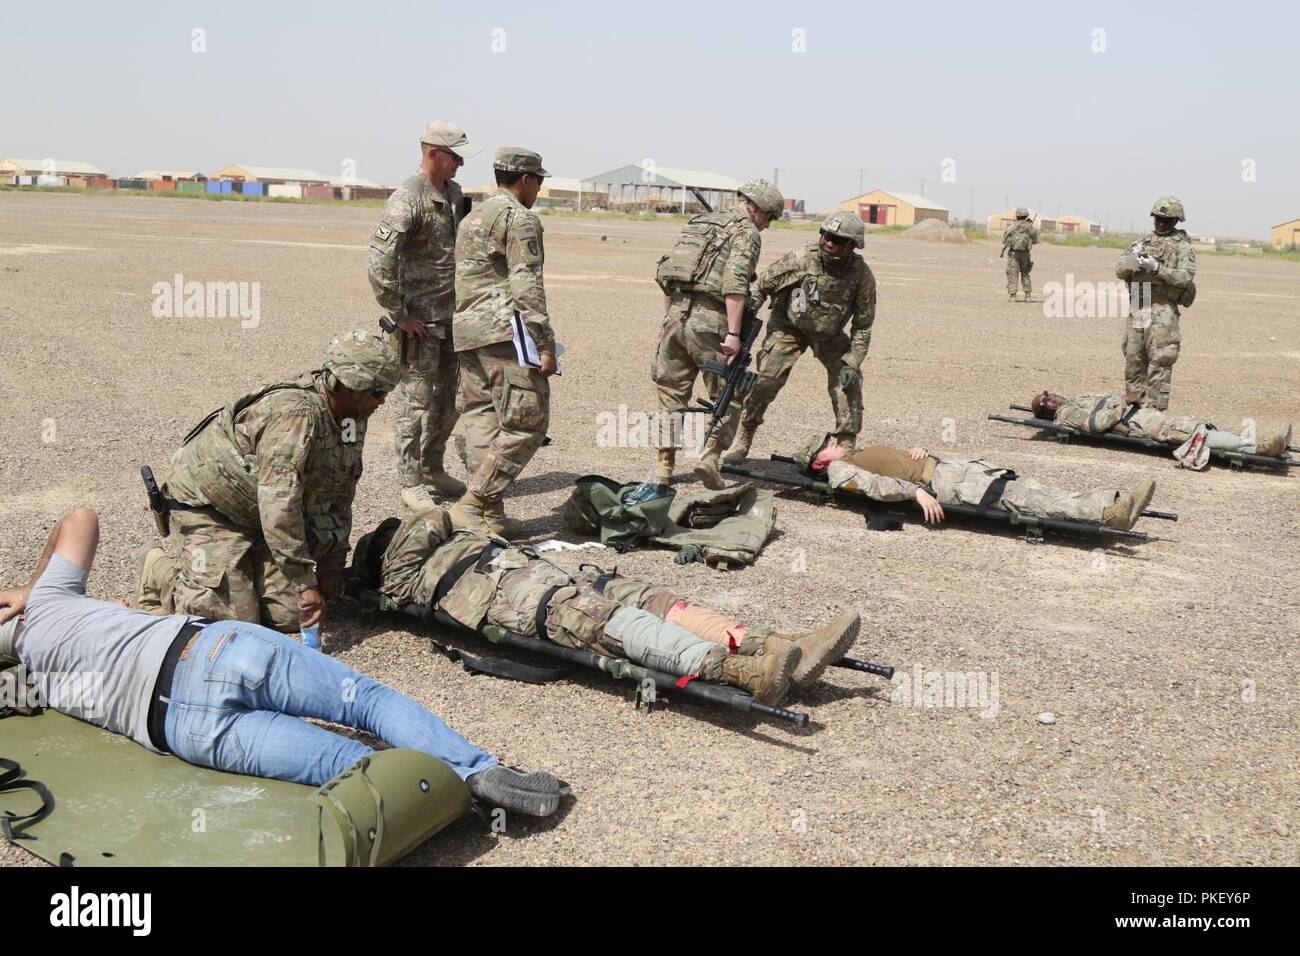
[(261, 495), (1019, 238), (413, 275), (501, 304), (705, 280), (1162, 267), (816, 292)]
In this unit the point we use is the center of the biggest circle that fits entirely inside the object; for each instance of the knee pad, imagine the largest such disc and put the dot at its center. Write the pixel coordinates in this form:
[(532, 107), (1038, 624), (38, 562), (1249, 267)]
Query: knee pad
[(385, 805), (652, 642)]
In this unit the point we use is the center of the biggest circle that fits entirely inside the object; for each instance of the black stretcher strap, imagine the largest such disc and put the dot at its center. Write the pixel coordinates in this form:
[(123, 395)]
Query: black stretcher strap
[(500, 667), (453, 574), (993, 493), (13, 826), (539, 619)]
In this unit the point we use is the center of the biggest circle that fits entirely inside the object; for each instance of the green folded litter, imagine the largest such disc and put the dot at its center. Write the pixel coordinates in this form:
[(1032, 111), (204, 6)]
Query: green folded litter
[(116, 803)]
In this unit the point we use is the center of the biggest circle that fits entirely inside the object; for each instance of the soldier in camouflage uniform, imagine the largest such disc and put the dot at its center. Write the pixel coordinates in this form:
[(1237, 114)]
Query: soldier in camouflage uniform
[(1100, 414), (705, 280), (501, 299), (261, 495), (1019, 238), (478, 581), (816, 293), (883, 473), (1160, 270), (413, 275)]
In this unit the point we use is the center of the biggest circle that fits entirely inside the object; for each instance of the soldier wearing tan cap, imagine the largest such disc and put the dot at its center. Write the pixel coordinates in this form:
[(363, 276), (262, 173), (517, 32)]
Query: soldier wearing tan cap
[(501, 301), (413, 275)]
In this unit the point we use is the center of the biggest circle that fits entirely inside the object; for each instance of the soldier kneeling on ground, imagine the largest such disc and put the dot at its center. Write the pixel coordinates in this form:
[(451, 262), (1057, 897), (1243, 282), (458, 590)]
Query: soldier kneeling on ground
[(477, 580), (260, 495), (883, 473)]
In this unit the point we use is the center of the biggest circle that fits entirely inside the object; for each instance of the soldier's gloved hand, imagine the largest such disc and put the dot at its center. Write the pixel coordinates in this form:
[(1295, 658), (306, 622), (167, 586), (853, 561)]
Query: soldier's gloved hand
[(689, 554), (414, 327), (850, 378), (1148, 263), (311, 607)]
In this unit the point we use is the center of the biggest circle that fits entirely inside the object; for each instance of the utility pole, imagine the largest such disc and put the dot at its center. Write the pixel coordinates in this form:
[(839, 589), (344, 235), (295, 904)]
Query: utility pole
[(972, 205), (776, 177), (1006, 201), (922, 187), (860, 174)]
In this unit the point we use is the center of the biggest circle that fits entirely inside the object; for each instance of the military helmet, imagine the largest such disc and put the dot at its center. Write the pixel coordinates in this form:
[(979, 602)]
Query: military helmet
[(764, 195), (367, 558), (845, 225), (808, 450), (580, 515), (362, 361), (1169, 206), (1022, 212)]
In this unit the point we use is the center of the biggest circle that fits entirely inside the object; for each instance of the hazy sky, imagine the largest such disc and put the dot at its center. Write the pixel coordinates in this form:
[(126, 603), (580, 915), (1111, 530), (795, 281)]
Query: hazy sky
[(1026, 100)]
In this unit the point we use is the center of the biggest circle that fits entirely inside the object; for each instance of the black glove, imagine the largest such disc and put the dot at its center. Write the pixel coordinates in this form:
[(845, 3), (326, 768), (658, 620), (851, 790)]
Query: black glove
[(689, 554), (850, 378)]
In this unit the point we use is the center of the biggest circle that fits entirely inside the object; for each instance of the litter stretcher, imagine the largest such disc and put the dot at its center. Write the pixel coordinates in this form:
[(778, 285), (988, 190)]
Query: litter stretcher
[(650, 682), (878, 513), (1066, 433)]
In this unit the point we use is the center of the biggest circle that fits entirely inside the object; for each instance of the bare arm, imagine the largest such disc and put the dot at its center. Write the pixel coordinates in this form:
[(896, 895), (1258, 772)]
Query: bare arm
[(75, 538)]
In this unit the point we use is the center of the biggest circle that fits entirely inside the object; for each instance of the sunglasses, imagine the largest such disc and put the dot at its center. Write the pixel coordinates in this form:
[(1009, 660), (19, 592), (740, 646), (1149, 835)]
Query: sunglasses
[(378, 394), (833, 240)]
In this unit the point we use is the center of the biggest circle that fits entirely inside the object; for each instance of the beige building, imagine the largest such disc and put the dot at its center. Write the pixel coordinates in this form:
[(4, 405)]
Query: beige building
[(270, 174), (172, 175), (882, 207), (999, 221), (1285, 234), (50, 168), (1063, 226), (1077, 225)]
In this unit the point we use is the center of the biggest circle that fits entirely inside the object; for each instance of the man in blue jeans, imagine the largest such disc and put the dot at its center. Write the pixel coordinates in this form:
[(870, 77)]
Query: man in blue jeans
[(228, 694)]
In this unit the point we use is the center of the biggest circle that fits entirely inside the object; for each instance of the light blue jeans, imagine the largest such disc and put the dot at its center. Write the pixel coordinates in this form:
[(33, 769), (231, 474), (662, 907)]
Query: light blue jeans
[(237, 699)]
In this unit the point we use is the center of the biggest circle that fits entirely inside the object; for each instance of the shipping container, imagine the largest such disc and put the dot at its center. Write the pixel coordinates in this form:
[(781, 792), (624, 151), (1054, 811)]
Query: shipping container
[(317, 191), (189, 187), (163, 185), (132, 184), (25, 180), (6, 179), (100, 182), (284, 190), (219, 185), (51, 181), (254, 189)]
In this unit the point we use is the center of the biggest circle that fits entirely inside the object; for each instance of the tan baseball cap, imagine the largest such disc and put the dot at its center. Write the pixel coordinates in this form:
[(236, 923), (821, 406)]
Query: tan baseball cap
[(450, 137), (516, 160)]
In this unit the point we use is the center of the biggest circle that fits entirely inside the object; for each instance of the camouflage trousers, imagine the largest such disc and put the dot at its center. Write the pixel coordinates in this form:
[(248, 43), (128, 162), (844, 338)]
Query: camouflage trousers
[(423, 406), (506, 409), (776, 360), (1018, 267), (226, 572), (965, 482), (578, 611), (686, 342), (1151, 345)]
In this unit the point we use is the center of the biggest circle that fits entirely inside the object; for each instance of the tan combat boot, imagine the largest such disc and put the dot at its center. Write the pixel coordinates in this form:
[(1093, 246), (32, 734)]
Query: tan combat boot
[(470, 513), (739, 450), (444, 484), (419, 499), (494, 511), (1276, 444), (823, 647), (707, 470), (1124, 512), (664, 465), (153, 572), (767, 674)]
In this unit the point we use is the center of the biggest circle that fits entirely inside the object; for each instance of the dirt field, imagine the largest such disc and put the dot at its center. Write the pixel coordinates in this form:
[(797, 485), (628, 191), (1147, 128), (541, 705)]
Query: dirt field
[(1169, 666)]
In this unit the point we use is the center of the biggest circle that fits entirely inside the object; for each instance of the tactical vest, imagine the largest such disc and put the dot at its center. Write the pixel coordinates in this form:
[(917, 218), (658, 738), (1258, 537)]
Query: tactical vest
[(689, 266), (1165, 249), (226, 475), (1092, 414), (822, 302), (1019, 238)]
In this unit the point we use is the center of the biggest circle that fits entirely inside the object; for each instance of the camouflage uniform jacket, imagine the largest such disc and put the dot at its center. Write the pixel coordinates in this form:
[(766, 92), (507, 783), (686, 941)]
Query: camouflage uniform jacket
[(818, 301), (499, 258), (276, 462), (1177, 266), (412, 253)]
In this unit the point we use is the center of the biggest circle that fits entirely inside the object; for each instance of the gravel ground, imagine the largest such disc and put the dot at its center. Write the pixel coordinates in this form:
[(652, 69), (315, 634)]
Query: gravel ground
[(1169, 666)]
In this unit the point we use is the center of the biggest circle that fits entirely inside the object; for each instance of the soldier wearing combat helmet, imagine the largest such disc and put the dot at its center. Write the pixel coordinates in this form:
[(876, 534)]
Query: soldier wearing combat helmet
[(823, 297), (1019, 238), (1160, 270), (260, 495), (413, 275), (705, 280), (501, 300)]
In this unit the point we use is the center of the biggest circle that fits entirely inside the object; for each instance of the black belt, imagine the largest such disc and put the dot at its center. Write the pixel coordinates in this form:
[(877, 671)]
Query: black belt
[(539, 619), (994, 491), (453, 574), (163, 687)]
